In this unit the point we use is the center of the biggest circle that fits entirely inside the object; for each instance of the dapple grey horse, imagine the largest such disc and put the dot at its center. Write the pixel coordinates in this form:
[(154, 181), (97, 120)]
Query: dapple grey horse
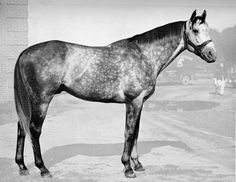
[(122, 72)]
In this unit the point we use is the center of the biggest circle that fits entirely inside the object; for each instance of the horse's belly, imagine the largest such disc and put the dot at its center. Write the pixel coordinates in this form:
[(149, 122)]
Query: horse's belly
[(95, 89)]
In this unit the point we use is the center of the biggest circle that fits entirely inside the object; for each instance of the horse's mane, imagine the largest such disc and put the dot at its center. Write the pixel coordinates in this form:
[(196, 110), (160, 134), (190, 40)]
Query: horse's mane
[(158, 33)]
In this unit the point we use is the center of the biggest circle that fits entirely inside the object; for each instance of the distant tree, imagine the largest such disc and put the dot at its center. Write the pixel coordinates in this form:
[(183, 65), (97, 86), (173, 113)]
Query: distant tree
[(225, 44), (217, 39), (229, 44)]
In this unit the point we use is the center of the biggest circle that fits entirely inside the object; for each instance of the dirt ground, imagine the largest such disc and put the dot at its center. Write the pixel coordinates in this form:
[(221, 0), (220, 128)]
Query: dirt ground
[(187, 134)]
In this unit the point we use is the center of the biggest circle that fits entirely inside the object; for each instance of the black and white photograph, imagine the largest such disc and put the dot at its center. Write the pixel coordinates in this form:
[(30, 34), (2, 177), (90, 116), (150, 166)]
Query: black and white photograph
[(117, 91)]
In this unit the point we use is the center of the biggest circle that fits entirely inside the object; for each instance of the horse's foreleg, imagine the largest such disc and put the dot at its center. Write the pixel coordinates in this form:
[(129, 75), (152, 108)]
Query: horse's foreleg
[(134, 155), (19, 158), (38, 116), (133, 110)]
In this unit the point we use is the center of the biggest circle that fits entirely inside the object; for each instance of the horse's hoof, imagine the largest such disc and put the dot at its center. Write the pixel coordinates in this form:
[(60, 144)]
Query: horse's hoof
[(46, 174), (130, 174), (139, 167), (23, 172)]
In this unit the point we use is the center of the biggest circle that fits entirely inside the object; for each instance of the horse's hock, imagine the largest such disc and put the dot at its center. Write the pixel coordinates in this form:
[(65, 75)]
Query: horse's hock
[(13, 39)]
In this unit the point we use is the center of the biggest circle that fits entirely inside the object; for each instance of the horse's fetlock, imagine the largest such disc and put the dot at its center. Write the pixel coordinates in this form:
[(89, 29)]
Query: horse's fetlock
[(125, 159), (39, 164), (19, 160)]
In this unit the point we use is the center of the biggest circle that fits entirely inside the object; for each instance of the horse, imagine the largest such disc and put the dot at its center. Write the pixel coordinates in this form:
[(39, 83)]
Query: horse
[(124, 71)]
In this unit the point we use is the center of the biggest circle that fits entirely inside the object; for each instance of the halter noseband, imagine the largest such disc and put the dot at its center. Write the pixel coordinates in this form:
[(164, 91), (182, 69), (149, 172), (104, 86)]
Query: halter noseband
[(197, 48)]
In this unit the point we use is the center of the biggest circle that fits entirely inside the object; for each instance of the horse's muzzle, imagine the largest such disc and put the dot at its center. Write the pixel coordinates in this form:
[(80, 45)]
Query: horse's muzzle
[(209, 54)]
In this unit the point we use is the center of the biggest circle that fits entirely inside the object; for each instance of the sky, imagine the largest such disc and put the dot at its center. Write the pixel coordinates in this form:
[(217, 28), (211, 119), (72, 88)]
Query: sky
[(93, 22)]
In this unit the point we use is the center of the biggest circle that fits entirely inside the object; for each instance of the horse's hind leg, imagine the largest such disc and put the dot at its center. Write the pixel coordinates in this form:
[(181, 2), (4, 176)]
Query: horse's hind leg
[(20, 150), (38, 115)]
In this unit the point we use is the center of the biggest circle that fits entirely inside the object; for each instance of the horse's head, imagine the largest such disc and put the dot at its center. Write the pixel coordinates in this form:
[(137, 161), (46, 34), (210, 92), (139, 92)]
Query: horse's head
[(197, 38)]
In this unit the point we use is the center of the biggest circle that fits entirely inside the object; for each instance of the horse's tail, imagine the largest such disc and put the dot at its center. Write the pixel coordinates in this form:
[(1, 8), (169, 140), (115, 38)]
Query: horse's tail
[(22, 100)]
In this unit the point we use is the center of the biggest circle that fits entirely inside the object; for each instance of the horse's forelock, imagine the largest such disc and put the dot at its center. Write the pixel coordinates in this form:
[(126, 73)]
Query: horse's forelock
[(198, 18)]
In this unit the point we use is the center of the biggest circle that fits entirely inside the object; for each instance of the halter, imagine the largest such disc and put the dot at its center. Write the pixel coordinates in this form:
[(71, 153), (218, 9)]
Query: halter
[(197, 48)]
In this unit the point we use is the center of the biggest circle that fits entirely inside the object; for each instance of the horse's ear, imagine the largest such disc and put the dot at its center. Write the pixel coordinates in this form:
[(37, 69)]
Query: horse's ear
[(204, 15), (193, 15)]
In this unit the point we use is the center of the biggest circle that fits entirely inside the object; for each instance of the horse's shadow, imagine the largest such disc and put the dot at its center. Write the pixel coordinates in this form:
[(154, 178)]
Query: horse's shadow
[(60, 153)]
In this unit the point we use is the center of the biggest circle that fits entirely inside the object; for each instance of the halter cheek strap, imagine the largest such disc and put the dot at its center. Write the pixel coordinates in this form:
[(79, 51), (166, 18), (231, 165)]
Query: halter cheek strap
[(197, 48)]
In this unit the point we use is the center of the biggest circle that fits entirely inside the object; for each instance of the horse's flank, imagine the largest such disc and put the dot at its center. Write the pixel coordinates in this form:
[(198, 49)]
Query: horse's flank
[(113, 73)]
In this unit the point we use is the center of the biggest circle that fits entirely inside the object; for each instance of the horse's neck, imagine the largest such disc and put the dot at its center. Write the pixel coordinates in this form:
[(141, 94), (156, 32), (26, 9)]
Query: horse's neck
[(159, 52), (163, 51)]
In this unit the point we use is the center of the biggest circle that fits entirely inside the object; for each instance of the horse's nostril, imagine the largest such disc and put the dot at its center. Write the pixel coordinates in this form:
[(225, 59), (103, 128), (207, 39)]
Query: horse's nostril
[(210, 53)]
